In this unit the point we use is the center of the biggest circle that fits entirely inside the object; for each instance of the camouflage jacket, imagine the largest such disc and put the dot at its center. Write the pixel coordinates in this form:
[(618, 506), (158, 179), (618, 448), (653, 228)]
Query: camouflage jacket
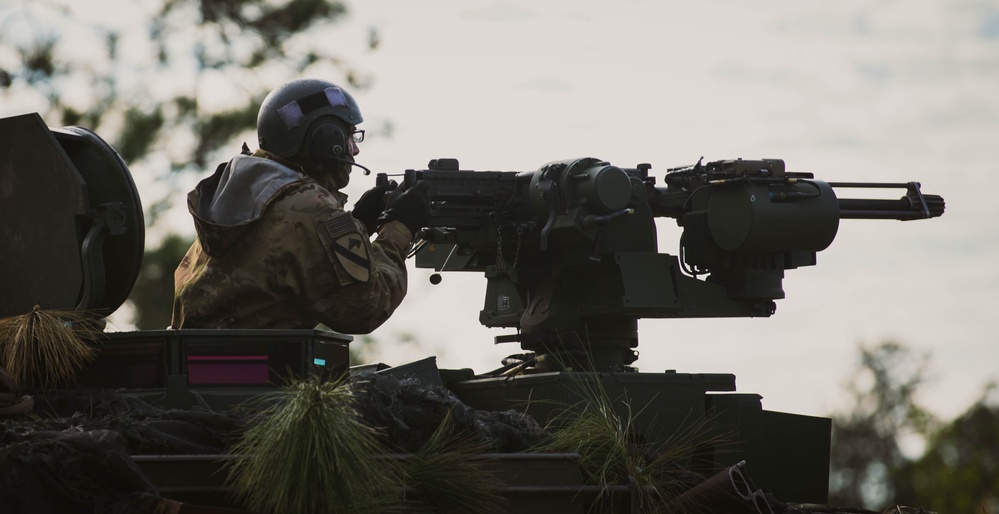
[(276, 250)]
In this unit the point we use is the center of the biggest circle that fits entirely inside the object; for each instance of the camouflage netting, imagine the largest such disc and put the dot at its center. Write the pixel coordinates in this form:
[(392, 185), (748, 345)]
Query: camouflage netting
[(410, 412), (76, 456), (67, 471), (73, 453)]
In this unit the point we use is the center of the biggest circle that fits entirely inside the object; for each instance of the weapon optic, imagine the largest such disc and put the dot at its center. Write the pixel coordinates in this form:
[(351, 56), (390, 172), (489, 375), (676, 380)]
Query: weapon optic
[(570, 251)]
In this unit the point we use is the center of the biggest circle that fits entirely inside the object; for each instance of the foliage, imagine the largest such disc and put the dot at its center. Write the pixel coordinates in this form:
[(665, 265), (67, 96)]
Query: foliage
[(152, 295), (366, 349), (866, 450), (449, 474), (361, 348), (310, 452), (169, 83), (959, 471), (603, 437), (146, 89), (45, 349)]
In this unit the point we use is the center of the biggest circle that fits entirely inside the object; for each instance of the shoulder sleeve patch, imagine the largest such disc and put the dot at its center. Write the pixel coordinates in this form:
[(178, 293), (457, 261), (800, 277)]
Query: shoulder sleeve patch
[(347, 246)]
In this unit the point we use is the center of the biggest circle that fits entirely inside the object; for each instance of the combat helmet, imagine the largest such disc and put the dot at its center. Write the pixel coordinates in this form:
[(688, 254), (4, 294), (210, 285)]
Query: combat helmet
[(287, 116)]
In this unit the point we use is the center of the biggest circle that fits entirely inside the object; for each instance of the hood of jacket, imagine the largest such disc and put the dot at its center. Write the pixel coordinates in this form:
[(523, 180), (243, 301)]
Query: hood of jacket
[(236, 195)]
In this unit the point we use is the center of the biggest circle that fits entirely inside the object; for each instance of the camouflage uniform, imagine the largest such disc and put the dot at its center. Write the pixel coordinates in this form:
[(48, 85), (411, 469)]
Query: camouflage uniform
[(276, 250)]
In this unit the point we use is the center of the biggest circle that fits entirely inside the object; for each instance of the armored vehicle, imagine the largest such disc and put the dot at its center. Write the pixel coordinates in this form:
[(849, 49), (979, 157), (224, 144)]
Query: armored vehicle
[(570, 255)]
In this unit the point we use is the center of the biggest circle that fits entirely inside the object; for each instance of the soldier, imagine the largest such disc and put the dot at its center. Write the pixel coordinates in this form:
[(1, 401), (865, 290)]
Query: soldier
[(275, 248)]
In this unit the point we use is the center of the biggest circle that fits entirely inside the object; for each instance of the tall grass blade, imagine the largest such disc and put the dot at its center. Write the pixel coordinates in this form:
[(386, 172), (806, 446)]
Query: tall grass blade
[(45, 349), (450, 475), (309, 451), (601, 430)]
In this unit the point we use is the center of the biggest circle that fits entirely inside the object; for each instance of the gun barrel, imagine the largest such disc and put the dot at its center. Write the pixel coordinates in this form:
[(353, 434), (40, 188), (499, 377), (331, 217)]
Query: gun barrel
[(913, 206)]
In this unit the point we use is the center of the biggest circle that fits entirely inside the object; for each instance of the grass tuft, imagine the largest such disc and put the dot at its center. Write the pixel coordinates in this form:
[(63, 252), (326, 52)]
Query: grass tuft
[(309, 451), (450, 475), (45, 349), (600, 430)]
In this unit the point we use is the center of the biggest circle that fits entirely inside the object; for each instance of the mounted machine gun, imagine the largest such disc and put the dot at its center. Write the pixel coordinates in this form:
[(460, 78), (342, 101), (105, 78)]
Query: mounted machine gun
[(570, 250), (570, 255)]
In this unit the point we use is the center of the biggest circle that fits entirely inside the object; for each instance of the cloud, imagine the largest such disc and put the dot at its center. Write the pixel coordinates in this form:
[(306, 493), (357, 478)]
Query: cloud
[(745, 72), (499, 11), (578, 16), (548, 85), (990, 26)]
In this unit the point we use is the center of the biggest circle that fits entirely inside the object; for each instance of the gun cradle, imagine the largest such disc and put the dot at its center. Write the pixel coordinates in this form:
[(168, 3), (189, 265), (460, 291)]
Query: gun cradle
[(570, 251)]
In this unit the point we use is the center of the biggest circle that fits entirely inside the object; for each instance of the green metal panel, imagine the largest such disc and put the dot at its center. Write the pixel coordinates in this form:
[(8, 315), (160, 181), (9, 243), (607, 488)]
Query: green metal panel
[(156, 364), (663, 404), (797, 449), (737, 420)]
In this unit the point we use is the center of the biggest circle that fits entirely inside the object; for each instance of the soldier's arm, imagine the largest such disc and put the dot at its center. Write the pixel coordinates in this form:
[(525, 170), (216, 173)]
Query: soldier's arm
[(336, 274), (360, 306)]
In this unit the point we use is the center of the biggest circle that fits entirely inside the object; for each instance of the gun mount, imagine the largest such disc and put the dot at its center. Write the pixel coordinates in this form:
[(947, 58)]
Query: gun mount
[(570, 251)]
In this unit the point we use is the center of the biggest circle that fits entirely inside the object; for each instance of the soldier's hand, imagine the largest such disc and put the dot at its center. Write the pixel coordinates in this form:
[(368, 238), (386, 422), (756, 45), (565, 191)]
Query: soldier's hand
[(411, 206), (371, 204)]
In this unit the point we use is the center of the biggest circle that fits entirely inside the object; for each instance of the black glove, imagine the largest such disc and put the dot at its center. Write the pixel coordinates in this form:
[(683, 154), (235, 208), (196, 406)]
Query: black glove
[(410, 206), (370, 205)]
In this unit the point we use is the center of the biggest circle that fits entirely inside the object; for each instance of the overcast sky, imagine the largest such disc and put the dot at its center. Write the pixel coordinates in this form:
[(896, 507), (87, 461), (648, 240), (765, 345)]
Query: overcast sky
[(875, 90), (855, 90)]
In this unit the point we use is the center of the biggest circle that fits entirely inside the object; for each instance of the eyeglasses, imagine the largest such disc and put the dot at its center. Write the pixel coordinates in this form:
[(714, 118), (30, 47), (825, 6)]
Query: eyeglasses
[(357, 136)]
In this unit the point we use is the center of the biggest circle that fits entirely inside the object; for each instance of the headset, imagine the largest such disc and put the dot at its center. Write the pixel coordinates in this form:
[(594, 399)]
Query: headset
[(327, 141)]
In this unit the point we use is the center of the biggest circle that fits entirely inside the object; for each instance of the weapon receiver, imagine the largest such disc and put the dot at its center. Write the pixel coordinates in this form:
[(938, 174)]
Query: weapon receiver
[(571, 256)]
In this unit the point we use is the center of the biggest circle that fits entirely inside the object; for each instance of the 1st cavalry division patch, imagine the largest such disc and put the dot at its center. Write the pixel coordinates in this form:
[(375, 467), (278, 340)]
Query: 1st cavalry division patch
[(346, 245)]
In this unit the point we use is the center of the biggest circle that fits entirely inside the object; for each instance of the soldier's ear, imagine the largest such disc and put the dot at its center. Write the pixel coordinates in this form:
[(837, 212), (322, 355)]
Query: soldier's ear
[(326, 139)]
